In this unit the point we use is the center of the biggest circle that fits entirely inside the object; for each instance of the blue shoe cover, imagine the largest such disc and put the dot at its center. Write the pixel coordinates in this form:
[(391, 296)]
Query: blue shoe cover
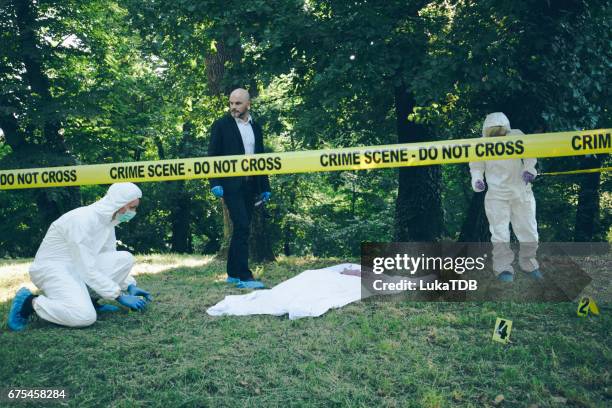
[(505, 276), (16, 322), (536, 274), (232, 280), (250, 284), (107, 309)]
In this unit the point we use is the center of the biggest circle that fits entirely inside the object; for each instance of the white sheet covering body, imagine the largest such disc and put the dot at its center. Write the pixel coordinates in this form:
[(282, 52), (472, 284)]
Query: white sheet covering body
[(309, 294)]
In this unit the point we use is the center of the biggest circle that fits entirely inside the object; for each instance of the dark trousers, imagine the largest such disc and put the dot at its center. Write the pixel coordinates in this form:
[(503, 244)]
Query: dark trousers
[(240, 207)]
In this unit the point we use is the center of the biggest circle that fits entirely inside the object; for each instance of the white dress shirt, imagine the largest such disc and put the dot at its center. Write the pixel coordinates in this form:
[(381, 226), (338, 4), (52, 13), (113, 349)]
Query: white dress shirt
[(248, 137)]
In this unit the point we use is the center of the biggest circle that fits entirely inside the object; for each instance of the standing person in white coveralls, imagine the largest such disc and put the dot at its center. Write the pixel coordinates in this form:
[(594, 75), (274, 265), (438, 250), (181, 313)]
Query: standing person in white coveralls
[(509, 200), (79, 254)]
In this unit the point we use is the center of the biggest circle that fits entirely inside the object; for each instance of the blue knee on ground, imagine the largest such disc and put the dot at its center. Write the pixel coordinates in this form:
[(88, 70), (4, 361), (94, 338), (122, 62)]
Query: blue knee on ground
[(16, 321), (505, 276)]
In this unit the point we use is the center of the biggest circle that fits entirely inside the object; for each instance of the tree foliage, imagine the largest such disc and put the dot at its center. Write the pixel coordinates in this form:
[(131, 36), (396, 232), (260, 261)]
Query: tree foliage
[(90, 81)]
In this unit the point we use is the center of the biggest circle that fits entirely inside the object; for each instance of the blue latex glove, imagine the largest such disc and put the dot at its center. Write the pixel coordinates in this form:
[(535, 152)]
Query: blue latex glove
[(528, 177), (136, 291), (217, 191), (107, 309), (265, 196), (479, 186), (133, 302)]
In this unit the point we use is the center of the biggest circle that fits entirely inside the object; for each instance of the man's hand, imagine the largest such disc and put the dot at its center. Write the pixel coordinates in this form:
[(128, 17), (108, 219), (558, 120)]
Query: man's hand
[(136, 291), (265, 196), (133, 302), (217, 191)]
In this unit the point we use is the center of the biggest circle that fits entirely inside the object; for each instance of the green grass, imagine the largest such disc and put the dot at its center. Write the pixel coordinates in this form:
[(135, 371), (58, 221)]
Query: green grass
[(366, 354)]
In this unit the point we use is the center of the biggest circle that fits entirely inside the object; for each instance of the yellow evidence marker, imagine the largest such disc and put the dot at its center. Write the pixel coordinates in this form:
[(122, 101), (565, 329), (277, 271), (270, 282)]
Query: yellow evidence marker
[(501, 332), (586, 305)]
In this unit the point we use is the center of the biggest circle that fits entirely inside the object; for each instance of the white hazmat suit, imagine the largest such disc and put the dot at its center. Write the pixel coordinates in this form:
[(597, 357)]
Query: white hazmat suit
[(79, 252), (509, 200)]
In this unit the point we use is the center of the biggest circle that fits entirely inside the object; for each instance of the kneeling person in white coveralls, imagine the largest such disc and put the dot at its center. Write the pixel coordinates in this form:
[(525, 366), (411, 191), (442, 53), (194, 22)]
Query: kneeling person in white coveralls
[(79, 255), (509, 200)]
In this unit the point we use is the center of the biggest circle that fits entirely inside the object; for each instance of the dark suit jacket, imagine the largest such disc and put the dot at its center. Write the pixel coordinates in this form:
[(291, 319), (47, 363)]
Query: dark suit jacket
[(225, 140)]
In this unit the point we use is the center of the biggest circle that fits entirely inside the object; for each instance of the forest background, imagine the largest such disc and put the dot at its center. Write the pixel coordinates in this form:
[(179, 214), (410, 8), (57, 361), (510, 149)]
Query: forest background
[(91, 81)]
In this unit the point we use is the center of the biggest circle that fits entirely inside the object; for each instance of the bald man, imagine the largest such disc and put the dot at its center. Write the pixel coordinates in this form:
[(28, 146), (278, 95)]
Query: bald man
[(237, 134)]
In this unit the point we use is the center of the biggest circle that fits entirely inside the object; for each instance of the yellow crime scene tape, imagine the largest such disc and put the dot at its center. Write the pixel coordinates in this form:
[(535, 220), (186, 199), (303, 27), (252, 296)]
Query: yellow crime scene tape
[(353, 158), (583, 171)]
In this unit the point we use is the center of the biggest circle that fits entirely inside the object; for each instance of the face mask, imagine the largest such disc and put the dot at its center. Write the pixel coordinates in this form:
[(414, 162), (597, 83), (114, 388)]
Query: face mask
[(126, 216), (495, 131)]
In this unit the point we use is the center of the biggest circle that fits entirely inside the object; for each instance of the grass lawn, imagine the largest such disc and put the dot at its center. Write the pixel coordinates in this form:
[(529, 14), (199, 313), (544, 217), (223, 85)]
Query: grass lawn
[(369, 353)]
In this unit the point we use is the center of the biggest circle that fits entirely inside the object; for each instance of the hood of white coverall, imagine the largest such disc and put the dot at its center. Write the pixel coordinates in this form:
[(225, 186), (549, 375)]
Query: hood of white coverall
[(117, 196), (493, 120)]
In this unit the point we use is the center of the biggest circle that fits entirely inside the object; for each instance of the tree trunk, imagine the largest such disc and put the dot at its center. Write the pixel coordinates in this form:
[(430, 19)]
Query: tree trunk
[(33, 62), (260, 245), (52, 202), (587, 226), (288, 233), (215, 73), (475, 226), (180, 213), (9, 125), (228, 50), (180, 216), (286, 244), (218, 56), (228, 228), (418, 209)]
